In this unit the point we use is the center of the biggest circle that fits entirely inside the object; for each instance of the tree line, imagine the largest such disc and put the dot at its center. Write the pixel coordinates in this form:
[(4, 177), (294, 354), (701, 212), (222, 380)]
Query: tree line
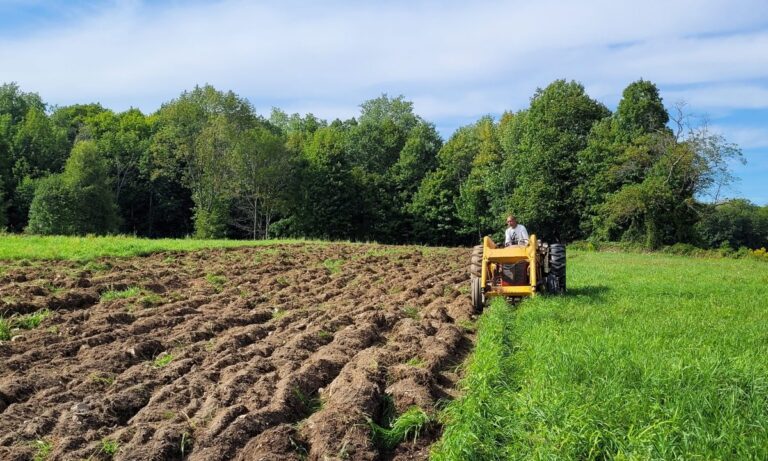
[(205, 164)]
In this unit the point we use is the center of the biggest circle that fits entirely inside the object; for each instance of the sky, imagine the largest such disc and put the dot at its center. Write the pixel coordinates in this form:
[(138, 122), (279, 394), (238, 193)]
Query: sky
[(456, 60)]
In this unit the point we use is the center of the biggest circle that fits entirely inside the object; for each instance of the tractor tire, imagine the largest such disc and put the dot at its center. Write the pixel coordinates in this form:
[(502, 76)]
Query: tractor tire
[(476, 261), (556, 276), (476, 291)]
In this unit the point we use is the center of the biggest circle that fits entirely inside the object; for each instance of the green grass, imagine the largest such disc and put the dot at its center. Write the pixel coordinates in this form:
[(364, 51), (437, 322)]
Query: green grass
[(22, 322), (112, 295), (110, 447), (407, 426), (216, 281), (33, 247), (101, 379), (647, 357), (43, 450), (310, 403), (333, 266), (5, 328), (162, 360), (417, 362), (411, 311), (33, 320), (151, 299)]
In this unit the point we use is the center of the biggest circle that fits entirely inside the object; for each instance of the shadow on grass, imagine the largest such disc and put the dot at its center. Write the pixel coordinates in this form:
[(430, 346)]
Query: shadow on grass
[(595, 292)]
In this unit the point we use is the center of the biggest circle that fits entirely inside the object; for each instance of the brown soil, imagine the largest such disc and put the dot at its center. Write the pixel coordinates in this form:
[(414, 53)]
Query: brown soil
[(270, 353)]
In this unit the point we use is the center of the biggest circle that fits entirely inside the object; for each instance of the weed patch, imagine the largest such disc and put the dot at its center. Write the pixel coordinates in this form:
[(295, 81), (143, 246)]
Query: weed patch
[(22, 322), (105, 380), (333, 266), (416, 362), (43, 450), (216, 281), (33, 320), (407, 426), (110, 447), (5, 329), (411, 312), (112, 295), (150, 300), (162, 360)]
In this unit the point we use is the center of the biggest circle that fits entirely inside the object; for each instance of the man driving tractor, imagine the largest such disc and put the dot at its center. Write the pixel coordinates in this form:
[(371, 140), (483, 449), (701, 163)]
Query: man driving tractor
[(516, 234)]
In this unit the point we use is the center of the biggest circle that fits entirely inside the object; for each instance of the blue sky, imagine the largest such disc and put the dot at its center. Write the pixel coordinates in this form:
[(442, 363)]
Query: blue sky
[(455, 60)]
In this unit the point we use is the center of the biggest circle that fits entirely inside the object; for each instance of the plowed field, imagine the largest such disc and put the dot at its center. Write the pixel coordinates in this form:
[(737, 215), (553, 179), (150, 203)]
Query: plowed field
[(274, 353)]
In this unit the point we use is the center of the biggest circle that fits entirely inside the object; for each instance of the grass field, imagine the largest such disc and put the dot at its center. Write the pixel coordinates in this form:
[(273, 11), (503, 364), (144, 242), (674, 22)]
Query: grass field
[(17, 247), (647, 357)]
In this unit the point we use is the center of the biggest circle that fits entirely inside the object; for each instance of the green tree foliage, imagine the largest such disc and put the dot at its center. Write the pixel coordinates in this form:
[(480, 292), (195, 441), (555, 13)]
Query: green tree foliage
[(263, 169), (621, 150), (73, 119), (672, 173), (297, 129), (735, 223), (474, 202), (6, 161), (434, 205), (195, 137), (545, 161), (79, 200), (328, 200), (22, 200), (29, 146), (123, 140), (640, 111), (39, 146), (3, 207), (206, 164), (51, 211), (390, 149), (16, 103)]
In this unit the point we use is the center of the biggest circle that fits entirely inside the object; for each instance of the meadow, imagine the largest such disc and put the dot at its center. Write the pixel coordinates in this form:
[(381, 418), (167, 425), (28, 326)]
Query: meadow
[(35, 247), (647, 357)]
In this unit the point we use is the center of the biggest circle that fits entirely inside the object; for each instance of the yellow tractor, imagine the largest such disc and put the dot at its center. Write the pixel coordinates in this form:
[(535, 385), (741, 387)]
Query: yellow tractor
[(516, 271)]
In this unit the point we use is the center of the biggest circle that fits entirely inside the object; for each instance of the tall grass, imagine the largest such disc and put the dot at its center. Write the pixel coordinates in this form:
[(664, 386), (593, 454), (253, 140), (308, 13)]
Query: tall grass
[(15, 247), (648, 357)]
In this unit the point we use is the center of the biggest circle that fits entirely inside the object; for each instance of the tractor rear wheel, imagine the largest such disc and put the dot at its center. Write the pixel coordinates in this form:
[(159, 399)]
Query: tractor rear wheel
[(476, 261), (556, 276), (478, 301)]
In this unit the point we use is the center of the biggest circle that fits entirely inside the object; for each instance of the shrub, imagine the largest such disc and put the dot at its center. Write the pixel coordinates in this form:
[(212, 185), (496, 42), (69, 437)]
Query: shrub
[(78, 201)]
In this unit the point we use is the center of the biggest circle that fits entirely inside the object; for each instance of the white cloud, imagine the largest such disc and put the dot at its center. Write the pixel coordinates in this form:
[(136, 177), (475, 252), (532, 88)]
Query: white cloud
[(452, 58), (746, 137), (728, 96)]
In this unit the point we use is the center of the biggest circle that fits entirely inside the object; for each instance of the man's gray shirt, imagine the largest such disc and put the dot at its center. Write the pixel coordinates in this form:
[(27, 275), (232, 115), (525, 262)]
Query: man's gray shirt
[(517, 235)]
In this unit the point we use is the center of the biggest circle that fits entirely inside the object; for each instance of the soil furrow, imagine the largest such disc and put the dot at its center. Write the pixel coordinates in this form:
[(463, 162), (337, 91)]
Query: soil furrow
[(282, 352)]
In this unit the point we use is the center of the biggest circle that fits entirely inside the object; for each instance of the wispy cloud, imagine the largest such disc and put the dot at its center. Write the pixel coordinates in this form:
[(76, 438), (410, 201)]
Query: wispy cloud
[(746, 137), (487, 54), (724, 96)]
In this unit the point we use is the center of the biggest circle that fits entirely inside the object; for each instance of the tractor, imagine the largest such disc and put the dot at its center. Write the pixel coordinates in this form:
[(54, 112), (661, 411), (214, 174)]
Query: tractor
[(515, 271)]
